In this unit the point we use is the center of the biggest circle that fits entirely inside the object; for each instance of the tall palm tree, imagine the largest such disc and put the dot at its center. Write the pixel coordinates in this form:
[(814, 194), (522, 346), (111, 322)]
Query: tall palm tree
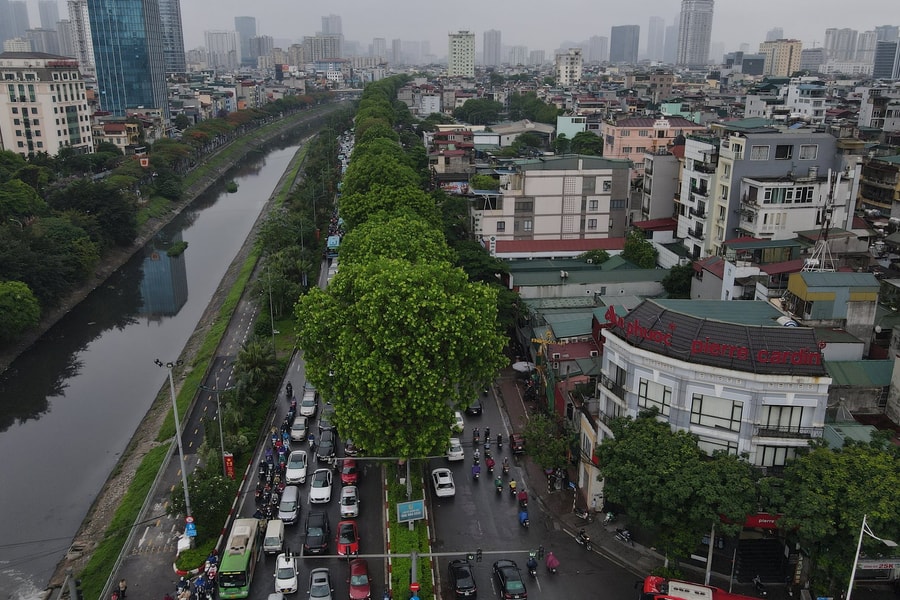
[(256, 369)]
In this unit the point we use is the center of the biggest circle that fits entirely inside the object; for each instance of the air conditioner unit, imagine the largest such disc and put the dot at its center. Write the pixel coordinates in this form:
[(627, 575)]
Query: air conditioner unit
[(595, 353), (555, 356)]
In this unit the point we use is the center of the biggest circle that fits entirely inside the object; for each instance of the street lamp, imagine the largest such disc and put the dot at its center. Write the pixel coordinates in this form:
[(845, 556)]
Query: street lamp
[(864, 529), (184, 482), (217, 391)]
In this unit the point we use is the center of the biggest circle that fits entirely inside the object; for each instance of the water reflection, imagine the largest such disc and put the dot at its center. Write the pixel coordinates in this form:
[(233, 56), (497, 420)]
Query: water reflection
[(164, 286)]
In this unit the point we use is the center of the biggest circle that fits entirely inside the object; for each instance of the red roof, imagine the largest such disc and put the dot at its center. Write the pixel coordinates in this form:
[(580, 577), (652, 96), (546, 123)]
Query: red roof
[(677, 150), (506, 246), (572, 351), (788, 266), (667, 224), (674, 122), (114, 127), (713, 264)]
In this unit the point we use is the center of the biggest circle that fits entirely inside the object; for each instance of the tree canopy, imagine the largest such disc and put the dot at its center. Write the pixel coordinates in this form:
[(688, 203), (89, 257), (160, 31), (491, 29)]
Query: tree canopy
[(391, 342), (357, 207), (639, 250), (404, 236), (369, 170), (587, 143), (19, 309), (678, 282), (479, 111)]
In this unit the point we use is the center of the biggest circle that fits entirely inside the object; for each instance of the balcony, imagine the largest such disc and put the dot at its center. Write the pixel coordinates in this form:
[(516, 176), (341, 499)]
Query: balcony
[(617, 389), (696, 233), (708, 168), (787, 432), (699, 212), (700, 191)]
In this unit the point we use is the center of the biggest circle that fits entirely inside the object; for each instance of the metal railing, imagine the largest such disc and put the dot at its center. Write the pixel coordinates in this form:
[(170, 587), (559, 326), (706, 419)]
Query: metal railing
[(787, 431), (616, 388)]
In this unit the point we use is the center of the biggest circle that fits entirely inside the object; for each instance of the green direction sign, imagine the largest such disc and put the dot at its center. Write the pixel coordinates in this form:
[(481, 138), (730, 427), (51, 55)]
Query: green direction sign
[(410, 511)]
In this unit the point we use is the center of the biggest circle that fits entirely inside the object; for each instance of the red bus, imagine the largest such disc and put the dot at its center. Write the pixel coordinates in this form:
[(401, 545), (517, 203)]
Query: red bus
[(660, 588)]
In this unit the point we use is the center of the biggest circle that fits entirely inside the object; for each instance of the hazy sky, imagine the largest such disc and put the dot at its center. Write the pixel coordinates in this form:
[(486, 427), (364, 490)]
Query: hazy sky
[(529, 23)]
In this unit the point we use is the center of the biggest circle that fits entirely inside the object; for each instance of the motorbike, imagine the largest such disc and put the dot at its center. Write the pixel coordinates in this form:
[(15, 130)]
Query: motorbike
[(512, 487), (584, 539), (552, 563), (498, 483), (760, 587), (499, 441), (584, 514), (289, 390), (624, 535), (476, 471), (490, 464), (505, 468), (522, 497), (523, 519), (476, 436), (532, 563), (610, 517)]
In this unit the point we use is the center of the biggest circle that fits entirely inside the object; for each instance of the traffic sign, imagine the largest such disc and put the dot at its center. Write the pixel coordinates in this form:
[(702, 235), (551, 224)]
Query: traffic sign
[(190, 528), (414, 586), (410, 511), (189, 519)]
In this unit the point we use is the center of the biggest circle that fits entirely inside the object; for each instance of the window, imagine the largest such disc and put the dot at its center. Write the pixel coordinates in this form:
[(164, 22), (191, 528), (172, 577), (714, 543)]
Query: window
[(759, 153), (774, 456), (592, 224), (809, 151), (784, 152), (501, 226), (782, 418), (654, 395), (626, 150), (722, 413), (607, 185), (593, 204), (643, 133), (709, 445), (613, 204), (626, 133), (526, 225), (524, 206)]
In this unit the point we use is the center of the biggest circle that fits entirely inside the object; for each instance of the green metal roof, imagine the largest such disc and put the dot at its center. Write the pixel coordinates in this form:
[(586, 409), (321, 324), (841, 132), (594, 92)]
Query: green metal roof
[(860, 373), (592, 277), (890, 159), (741, 312), (837, 434), (840, 279), (570, 325), (616, 262), (745, 244), (749, 124), (570, 162), (558, 304), (836, 336), (886, 318)]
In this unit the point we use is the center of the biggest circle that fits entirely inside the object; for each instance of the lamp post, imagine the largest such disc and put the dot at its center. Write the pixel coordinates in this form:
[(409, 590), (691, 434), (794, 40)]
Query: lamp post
[(864, 529), (217, 391), (184, 482)]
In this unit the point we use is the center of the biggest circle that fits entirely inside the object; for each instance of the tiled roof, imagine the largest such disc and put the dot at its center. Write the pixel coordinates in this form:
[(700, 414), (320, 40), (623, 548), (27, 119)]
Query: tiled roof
[(775, 350), (505, 246), (667, 224), (860, 373), (674, 122), (788, 266)]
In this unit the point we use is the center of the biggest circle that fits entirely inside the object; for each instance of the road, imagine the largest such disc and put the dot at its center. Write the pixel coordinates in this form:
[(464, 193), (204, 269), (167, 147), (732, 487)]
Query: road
[(478, 517)]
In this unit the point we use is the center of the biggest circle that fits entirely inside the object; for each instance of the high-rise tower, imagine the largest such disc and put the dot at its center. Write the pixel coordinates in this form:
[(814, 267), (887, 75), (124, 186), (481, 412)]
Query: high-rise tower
[(492, 48), (128, 53), (656, 36), (623, 43), (49, 12), (461, 54), (173, 36), (694, 32), (246, 29)]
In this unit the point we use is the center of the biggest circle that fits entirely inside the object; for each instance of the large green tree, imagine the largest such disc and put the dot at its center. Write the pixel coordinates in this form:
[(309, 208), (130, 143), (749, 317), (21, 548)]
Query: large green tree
[(357, 207), (479, 111), (587, 143), (404, 235), (639, 250), (19, 309), (669, 485), (368, 171), (256, 369), (678, 282), (824, 495), (546, 442), (397, 347)]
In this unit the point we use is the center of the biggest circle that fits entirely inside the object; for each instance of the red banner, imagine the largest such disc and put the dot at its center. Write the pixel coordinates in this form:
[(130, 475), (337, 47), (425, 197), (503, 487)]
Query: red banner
[(229, 464)]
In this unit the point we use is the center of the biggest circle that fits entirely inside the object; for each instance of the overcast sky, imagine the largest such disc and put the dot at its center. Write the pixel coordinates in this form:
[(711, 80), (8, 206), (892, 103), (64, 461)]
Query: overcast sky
[(531, 23)]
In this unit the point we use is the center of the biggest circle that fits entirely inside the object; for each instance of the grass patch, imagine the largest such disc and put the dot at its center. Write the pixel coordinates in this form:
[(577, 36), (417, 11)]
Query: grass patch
[(403, 541), (103, 559), (156, 207)]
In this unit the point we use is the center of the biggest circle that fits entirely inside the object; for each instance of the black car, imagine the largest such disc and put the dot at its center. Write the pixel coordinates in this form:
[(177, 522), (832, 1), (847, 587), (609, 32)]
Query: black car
[(318, 530), (326, 422), (509, 580), (462, 580), (325, 446), (475, 407)]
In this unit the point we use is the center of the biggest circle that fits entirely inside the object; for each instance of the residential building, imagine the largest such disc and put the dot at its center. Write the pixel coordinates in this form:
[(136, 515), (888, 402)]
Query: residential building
[(46, 107), (570, 125), (321, 47), (879, 107), (536, 58), (396, 52), (886, 64), (49, 13), (840, 44), (19, 23), (660, 186), (776, 33), (81, 35), (631, 137), (518, 55), (461, 54), (623, 44), (694, 32), (661, 83), (556, 197), (379, 49), (17, 44), (597, 49), (173, 36), (64, 38), (128, 53), (261, 47), (223, 50), (332, 25), (782, 57), (670, 49), (246, 29), (656, 38), (865, 47), (805, 98), (879, 187), (492, 48), (811, 59), (568, 67), (44, 41)]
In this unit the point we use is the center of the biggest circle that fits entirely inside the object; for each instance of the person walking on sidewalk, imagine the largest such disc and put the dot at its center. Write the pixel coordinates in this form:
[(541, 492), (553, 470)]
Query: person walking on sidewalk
[(123, 585)]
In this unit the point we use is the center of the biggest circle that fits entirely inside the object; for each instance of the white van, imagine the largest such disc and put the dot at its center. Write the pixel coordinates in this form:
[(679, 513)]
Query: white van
[(273, 543)]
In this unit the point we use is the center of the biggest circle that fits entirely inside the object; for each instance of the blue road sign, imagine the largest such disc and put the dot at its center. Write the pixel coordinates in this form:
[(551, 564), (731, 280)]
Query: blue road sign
[(410, 511), (190, 529)]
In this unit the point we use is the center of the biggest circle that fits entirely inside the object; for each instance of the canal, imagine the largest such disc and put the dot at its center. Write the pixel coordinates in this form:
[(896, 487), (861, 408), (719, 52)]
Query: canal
[(70, 404)]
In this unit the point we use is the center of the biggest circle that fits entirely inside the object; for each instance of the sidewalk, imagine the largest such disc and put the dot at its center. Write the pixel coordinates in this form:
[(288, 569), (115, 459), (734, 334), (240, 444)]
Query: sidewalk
[(558, 505)]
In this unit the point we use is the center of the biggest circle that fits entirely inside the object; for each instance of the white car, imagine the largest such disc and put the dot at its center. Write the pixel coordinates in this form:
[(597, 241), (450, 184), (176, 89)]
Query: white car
[(455, 451), (296, 467), (309, 403), (320, 488), (286, 574), (349, 502), (458, 423), (443, 483), (300, 429)]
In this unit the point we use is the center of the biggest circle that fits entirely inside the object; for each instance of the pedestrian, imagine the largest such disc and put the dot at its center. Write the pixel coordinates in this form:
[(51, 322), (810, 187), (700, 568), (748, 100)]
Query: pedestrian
[(123, 585)]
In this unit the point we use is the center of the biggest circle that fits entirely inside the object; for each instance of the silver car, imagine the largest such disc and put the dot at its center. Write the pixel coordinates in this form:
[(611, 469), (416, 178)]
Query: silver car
[(320, 584)]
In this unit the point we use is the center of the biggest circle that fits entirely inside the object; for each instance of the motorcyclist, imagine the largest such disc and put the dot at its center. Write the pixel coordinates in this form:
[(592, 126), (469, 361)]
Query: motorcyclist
[(476, 470), (522, 496), (583, 536), (512, 486), (505, 465), (499, 440), (523, 518), (477, 455), (490, 464), (498, 482), (552, 562), (532, 562)]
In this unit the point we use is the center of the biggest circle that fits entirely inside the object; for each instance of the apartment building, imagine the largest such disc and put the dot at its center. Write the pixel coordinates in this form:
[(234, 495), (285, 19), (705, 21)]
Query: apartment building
[(879, 187), (553, 198), (44, 107), (568, 67), (782, 57), (461, 54), (630, 138), (879, 107)]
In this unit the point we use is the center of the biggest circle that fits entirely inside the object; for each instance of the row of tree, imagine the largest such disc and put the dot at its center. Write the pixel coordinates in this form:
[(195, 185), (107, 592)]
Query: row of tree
[(672, 488), (400, 335)]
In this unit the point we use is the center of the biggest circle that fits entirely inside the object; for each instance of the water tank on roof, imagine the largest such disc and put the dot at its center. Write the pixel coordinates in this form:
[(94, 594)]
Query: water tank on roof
[(786, 321)]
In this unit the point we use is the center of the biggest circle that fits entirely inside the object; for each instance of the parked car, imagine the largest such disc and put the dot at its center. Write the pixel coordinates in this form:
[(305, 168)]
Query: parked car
[(442, 479), (349, 502), (320, 584), (320, 487), (286, 573), (517, 443), (347, 539), (455, 452), (325, 446), (296, 467), (349, 472), (509, 580), (360, 585), (300, 429), (462, 579), (318, 530), (458, 424)]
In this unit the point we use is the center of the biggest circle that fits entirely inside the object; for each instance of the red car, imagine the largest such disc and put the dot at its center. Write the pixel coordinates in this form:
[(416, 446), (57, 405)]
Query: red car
[(349, 472), (360, 585), (347, 538)]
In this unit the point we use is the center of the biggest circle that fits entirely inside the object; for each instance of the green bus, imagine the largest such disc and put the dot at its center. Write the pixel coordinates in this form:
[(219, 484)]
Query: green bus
[(238, 561)]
